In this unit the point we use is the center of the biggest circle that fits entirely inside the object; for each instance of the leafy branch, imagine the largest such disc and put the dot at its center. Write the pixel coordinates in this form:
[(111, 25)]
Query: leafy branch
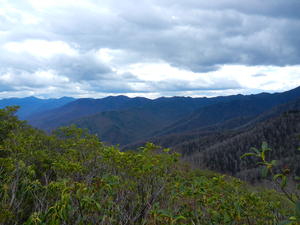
[(280, 179)]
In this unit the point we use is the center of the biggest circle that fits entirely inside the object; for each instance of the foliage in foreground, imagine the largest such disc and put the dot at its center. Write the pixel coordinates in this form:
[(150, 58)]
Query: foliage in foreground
[(70, 177), (280, 179)]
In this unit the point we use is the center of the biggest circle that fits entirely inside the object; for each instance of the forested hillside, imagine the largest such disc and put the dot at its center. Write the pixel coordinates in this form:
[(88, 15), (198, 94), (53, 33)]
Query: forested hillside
[(223, 154), (80, 108), (70, 177), (133, 124), (122, 120), (230, 114), (219, 147)]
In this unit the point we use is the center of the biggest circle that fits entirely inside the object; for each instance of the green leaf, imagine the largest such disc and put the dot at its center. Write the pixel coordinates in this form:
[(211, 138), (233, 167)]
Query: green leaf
[(277, 176), (283, 181), (179, 218), (263, 156), (248, 154), (166, 150)]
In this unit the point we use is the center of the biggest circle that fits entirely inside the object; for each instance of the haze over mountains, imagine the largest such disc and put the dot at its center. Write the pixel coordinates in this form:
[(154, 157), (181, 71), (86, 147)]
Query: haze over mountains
[(33, 105), (209, 132), (123, 120)]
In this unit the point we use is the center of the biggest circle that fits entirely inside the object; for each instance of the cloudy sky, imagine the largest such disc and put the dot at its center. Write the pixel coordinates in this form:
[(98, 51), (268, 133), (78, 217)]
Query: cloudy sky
[(151, 48)]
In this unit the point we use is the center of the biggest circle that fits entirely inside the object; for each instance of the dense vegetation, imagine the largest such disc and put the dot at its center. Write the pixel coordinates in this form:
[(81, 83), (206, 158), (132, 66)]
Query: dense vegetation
[(222, 152), (219, 148), (70, 177)]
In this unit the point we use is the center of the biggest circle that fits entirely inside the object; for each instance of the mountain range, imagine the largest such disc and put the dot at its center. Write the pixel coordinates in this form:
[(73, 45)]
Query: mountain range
[(123, 120), (209, 132)]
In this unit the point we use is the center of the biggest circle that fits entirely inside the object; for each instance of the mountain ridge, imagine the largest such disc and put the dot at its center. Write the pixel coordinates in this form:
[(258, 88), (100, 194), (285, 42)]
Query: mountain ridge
[(33, 105)]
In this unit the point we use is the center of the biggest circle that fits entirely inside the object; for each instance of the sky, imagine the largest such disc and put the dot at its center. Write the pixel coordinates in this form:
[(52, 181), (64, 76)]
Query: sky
[(150, 48)]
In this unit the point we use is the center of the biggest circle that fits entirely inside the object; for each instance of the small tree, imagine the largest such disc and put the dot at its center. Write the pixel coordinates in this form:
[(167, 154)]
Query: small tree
[(279, 179)]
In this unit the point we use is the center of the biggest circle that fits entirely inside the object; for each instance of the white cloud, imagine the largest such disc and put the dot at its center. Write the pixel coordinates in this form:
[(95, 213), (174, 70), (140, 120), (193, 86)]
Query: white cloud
[(48, 4), (275, 78), (37, 79), (148, 47), (41, 48)]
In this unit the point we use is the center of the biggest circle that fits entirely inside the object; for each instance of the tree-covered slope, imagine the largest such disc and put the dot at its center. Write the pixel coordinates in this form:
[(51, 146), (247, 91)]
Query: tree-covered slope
[(243, 109), (123, 120), (219, 147), (119, 119), (123, 127), (70, 177), (221, 152), (81, 108), (137, 123)]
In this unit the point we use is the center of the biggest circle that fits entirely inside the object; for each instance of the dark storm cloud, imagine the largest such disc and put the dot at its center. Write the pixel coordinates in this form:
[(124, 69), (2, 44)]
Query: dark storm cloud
[(194, 35), (278, 8), (76, 67), (191, 34), (6, 88), (79, 68)]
